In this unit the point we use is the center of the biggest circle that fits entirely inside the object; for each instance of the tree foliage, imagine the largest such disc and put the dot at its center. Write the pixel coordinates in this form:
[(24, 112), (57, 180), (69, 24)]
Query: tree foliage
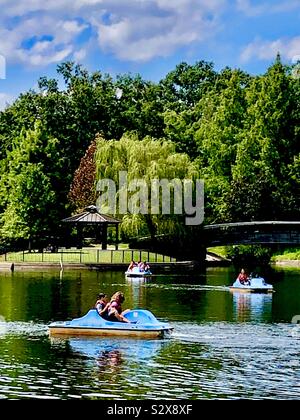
[(143, 160), (82, 192), (29, 186), (240, 133)]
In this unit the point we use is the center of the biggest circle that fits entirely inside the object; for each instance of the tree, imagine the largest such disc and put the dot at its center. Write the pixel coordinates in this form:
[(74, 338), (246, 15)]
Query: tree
[(82, 192), (266, 149), (29, 187), (143, 161), (183, 87)]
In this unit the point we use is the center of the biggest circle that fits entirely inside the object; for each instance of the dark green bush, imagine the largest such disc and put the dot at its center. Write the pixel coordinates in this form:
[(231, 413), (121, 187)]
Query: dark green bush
[(249, 256)]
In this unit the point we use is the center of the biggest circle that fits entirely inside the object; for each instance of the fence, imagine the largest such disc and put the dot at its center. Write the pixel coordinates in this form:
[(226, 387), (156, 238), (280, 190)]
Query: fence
[(86, 256)]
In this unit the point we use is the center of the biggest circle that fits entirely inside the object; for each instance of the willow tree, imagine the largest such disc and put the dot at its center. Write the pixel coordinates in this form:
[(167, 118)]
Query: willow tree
[(136, 168)]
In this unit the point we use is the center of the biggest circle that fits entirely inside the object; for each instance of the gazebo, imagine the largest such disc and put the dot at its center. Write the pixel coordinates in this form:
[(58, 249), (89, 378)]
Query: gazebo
[(92, 218)]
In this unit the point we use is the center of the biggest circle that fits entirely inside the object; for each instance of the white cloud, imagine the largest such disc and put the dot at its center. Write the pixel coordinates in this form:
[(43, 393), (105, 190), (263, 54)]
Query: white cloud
[(80, 55), (40, 51), (2, 67), (130, 30), (250, 9), (266, 50), (168, 25), (5, 99)]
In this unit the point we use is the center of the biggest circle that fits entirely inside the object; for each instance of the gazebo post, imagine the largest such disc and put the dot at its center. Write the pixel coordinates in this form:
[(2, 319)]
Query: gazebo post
[(104, 236), (79, 235), (117, 237)]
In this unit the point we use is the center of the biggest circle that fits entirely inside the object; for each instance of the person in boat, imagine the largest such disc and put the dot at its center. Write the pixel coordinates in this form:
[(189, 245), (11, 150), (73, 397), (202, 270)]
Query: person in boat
[(101, 303), (131, 265), (243, 277), (146, 266), (140, 265), (113, 310)]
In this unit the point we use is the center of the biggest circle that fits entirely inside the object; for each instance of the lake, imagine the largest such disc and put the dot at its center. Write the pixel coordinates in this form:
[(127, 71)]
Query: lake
[(224, 345)]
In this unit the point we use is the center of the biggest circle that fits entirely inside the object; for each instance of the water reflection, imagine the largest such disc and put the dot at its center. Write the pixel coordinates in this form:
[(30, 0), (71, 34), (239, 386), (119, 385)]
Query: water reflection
[(92, 347), (136, 286), (111, 352), (110, 359), (252, 306)]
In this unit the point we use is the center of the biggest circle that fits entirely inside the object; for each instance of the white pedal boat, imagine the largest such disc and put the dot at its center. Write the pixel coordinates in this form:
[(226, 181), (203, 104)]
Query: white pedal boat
[(136, 272), (254, 285)]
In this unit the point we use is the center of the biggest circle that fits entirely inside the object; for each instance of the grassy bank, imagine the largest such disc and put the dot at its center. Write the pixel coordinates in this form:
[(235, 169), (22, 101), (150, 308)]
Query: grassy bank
[(289, 254), (219, 250)]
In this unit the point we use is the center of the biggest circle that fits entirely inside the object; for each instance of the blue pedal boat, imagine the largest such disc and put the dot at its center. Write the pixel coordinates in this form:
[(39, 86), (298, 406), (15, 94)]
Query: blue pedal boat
[(254, 285), (143, 324)]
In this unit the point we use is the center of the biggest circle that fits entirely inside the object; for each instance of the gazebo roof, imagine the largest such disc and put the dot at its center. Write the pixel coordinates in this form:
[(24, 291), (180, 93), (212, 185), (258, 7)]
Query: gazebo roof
[(91, 215)]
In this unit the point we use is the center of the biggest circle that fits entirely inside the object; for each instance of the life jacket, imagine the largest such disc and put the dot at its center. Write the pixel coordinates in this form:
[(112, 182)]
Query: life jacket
[(99, 306)]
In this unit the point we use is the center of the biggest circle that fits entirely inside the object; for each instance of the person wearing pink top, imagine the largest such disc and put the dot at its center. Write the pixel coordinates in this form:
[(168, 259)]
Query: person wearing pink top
[(114, 308), (242, 277)]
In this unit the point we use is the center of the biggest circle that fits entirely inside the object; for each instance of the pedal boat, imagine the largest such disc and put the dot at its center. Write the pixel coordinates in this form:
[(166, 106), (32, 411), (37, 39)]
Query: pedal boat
[(255, 285), (135, 272), (143, 324)]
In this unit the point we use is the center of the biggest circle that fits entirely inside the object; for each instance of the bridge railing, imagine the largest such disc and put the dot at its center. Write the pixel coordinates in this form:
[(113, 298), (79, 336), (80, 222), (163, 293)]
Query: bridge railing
[(252, 234)]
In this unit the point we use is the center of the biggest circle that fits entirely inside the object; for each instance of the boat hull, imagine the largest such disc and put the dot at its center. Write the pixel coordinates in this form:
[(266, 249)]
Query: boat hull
[(127, 274), (255, 285), (100, 332), (135, 272), (250, 290), (142, 324)]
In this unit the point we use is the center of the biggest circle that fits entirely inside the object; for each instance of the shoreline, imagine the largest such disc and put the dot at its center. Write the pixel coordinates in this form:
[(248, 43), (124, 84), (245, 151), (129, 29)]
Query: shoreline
[(179, 267), (286, 263)]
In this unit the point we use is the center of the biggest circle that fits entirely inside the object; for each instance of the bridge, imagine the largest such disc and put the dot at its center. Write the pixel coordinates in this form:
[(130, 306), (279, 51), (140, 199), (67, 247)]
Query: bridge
[(241, 233), (249, 233)]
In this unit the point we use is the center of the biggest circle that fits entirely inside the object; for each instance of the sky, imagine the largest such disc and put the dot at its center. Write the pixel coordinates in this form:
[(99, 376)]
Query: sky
[(149, 37)]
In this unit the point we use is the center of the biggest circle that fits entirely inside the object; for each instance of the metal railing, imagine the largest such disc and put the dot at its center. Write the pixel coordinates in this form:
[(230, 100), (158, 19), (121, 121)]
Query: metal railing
[(86, 256)]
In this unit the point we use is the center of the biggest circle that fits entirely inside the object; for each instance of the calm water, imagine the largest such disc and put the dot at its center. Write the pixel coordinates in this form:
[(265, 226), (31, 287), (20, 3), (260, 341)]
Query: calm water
[(224, 345)]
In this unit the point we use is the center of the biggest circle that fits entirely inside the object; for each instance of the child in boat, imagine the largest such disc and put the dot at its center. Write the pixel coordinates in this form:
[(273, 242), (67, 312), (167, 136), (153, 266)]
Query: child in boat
[(101, 303), (131, 265), (114, 308), (242, 277), (141, 266), (146, 266)]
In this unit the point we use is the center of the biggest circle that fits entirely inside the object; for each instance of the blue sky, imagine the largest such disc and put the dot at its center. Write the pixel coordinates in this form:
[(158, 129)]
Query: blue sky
[(141, 36)]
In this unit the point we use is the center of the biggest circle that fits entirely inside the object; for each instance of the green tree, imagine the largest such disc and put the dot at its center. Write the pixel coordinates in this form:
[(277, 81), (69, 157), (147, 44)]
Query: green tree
[(266, 149), (183, 87), (30, 186), (145, 160)]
